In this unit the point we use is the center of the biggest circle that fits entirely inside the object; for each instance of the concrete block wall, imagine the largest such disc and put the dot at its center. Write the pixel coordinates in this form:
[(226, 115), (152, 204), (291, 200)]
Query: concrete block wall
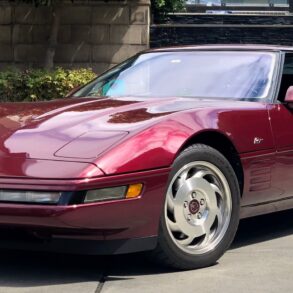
[(92, 33), (196, 29)]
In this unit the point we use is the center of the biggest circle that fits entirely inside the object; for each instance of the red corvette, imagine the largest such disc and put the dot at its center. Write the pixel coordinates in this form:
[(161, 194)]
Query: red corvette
[(165, 152)]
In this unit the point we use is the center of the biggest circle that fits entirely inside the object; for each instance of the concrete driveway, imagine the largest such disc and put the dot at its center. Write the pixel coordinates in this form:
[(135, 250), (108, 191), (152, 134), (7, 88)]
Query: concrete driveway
[(259, 261)]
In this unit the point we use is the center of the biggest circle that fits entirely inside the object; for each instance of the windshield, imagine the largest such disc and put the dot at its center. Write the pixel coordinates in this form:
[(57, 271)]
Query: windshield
[(238, 75)]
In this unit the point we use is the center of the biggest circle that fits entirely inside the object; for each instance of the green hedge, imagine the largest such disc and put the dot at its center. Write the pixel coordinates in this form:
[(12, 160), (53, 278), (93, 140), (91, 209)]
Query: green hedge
[(37, 84)]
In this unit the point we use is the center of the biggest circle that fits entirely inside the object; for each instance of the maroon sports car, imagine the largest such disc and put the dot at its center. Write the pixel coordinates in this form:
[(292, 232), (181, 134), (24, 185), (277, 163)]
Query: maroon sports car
[(164, 152)]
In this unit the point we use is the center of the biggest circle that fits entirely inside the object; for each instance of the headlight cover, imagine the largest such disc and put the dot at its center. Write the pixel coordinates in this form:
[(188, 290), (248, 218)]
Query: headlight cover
[(90, 144), (41, 197)]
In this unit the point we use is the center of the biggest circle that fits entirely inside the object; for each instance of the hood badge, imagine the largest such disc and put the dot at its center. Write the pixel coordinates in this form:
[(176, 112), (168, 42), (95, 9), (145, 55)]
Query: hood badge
[(258, 140)]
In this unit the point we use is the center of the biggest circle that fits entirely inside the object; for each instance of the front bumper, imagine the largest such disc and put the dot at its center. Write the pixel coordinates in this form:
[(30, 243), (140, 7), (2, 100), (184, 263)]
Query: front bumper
[(95, 224)]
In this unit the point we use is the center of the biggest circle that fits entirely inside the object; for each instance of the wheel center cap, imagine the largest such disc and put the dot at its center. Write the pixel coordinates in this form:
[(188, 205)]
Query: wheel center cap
[(194, 206)]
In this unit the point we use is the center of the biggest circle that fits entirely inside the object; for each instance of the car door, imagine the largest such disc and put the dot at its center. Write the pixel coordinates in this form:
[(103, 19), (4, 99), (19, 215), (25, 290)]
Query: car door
[(281, 117)]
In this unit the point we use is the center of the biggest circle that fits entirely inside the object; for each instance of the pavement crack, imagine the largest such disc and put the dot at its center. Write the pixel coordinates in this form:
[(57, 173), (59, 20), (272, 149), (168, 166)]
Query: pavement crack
[(102, 280)]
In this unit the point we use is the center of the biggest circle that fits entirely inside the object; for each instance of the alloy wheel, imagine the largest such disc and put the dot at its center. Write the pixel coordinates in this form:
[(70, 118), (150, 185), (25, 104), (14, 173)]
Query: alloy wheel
[(198, 207)]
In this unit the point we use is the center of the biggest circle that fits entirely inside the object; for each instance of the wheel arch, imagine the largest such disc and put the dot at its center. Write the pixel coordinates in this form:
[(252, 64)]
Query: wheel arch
[(224, 145)]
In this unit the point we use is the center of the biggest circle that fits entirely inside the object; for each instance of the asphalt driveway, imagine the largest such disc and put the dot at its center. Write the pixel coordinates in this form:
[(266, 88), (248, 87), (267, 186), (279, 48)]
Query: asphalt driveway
[(259, 261)]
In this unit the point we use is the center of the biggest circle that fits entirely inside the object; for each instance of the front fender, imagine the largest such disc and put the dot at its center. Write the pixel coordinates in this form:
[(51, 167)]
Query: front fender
[(152, 148)]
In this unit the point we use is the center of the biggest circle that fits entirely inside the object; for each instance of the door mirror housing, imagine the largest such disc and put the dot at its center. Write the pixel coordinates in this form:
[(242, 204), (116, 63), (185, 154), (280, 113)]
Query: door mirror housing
[(289, 97)]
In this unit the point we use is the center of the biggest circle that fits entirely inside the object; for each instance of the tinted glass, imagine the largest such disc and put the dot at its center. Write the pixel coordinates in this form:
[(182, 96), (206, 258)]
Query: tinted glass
[(238, 75)]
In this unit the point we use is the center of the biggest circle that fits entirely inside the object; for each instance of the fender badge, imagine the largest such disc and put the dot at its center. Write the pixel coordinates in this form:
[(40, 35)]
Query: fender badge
[(257, 140)]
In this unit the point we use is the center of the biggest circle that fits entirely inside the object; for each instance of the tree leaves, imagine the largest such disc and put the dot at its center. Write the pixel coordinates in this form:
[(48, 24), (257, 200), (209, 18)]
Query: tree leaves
[(160, 8)]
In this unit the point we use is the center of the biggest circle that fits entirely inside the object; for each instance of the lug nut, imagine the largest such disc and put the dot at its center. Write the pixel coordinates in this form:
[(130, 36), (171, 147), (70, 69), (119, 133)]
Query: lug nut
[(193, 194), (199, 216), (202, 202), (185, 204)]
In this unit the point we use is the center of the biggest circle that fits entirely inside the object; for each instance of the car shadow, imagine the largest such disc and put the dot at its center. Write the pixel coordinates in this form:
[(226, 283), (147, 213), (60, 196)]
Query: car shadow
[(30, 269), (263, 228)]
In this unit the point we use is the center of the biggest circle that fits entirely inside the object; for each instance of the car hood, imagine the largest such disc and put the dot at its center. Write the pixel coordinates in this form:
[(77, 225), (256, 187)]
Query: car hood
[(79, 129)]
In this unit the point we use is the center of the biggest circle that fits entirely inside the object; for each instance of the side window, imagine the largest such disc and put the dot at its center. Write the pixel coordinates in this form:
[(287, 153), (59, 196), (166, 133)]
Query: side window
[(287, 77)]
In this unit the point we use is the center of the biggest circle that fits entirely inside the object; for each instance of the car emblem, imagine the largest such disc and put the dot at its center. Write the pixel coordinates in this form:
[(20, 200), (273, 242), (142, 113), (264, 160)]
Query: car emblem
[(257, 140), (194, 206)]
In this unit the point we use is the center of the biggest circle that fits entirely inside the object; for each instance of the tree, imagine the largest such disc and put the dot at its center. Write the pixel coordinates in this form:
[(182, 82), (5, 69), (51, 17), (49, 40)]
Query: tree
[(53, 39), (160, 8), (55, 6)]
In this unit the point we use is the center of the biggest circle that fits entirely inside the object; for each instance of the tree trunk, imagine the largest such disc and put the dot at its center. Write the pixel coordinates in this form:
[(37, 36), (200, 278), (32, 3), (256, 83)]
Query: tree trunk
[(53, 39)]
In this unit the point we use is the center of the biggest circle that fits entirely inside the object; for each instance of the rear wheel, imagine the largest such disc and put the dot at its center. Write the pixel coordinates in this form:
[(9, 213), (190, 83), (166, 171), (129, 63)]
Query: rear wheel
[(201, 211)]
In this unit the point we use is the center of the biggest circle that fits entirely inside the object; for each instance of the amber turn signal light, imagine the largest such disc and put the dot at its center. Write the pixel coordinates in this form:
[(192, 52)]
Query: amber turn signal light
[(134, 190)]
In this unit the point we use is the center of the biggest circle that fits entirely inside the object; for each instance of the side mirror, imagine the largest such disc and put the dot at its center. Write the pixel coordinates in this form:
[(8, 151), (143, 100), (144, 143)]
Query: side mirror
[(289, 97)]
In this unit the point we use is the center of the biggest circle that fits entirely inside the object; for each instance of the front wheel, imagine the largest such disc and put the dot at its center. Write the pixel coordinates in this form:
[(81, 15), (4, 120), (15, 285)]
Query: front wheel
[(201, 211)]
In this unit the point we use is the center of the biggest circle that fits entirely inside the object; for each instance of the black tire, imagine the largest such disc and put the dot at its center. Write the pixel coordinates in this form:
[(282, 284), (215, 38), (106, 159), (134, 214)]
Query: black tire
[(166, 252)]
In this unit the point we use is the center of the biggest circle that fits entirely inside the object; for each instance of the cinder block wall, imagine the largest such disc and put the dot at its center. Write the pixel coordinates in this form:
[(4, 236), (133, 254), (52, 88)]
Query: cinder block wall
[(92, 33), (195, 29)]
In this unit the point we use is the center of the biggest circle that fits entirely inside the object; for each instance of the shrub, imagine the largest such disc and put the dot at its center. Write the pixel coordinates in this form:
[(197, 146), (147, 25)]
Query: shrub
[(37, 84)]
